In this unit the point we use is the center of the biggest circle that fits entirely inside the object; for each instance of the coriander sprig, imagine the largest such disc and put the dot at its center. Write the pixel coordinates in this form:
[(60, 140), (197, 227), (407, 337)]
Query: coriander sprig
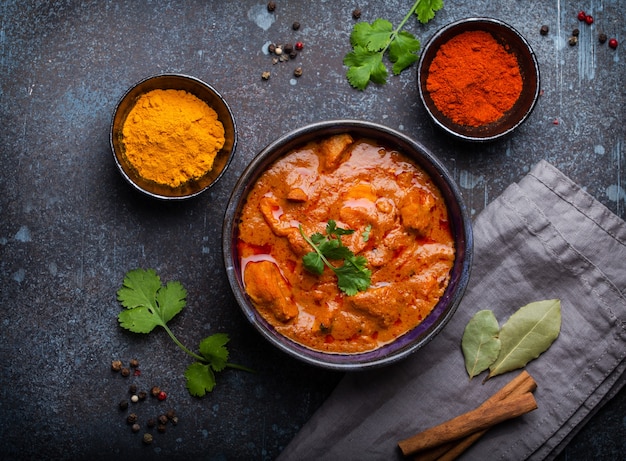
[(150, 304), (370, 42), (353, 276)]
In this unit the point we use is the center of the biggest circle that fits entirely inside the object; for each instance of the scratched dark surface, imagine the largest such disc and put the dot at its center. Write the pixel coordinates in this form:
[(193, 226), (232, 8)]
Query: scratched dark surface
[(70, 227)]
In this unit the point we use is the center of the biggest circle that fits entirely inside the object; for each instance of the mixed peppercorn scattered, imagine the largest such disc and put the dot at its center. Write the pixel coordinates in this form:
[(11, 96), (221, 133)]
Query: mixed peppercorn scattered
[(136, 396), (283, 52), (587, 19)]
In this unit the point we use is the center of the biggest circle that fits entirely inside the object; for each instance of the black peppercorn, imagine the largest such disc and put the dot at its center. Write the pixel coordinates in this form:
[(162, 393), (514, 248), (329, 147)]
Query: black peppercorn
[(356, 14), (170, 414), (163, 419), (125, 372), (271, 6), (132, 389), (151, 422), (288, 48), (544, 30), (295, 25), (161, 428), (155, 391), (297, 72), (271, 48), (142, 395), (123, 405), (134, 363), (575, 33), (602, 37), (293, 54), (572, 41), (131, 419)]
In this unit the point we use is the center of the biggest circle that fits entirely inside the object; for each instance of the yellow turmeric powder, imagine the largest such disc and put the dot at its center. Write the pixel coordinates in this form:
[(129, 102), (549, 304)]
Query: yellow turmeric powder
[(172, 137)]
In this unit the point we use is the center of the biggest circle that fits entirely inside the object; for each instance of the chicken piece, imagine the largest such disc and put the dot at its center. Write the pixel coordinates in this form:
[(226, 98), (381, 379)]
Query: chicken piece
[(333, 148), (297, 195), (272, 213), (269, 291), (416, 210), (382, 304)]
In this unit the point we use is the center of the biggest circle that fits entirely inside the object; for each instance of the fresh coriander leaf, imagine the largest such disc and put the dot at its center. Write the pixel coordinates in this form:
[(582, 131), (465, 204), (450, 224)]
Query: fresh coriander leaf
[(366, 232), (171, 299), (425, 9), (138, 320), (332, 229), (370, 42), (403, 51), (139, 288), (213, 349), (352, 276), (336, 252), (149, 304), (365, 66), (372, 37), (200, 379), (318, 238), (313, 263)]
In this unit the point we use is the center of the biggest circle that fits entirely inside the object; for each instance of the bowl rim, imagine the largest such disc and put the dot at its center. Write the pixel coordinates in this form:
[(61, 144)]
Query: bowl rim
[(476, 21), (122, 168), (405, 344)]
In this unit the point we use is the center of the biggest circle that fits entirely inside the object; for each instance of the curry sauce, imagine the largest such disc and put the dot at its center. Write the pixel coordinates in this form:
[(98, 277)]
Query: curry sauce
[(400, 225)]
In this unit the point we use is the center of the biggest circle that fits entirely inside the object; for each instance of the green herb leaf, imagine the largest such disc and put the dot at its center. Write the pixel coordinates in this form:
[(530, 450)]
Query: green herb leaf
[(527, 334), (366, 232), (363, 66), (403, 51), (149, 304), (213, 349), (425, 10), (372, 37), (480, 343), (200, 379), (353, 276), (370, 42)]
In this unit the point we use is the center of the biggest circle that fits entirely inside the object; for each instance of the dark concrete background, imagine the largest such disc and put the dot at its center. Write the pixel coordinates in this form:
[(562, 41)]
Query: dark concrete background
[(70, 227)]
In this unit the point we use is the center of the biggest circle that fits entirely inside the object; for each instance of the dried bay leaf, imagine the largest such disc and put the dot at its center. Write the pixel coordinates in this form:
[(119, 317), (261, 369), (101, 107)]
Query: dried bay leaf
[(480, 343), (527, 334)]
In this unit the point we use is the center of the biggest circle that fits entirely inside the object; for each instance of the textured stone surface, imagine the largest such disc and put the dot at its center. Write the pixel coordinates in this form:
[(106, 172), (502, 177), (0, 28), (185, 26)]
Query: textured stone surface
[(70, 227)]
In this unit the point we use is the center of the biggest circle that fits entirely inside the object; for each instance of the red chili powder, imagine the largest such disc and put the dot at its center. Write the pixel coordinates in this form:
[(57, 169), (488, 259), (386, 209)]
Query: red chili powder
[(473, 79)]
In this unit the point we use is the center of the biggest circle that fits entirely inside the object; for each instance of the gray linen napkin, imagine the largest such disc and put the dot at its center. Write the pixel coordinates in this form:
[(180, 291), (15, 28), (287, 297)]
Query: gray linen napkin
[(543, 238)]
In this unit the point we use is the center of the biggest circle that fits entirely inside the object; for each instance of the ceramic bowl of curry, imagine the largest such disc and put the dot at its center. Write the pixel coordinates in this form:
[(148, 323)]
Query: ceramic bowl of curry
[(478, 79), (172, 136), (391, 226)]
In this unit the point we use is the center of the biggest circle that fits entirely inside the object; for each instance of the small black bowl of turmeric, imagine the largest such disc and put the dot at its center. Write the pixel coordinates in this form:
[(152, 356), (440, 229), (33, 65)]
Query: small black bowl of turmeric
[(478, 79), (172, 136)]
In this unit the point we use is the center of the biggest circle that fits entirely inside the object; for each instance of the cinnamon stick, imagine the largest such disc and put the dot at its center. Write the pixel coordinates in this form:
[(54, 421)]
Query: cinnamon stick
[(468, 423), (521, 384)]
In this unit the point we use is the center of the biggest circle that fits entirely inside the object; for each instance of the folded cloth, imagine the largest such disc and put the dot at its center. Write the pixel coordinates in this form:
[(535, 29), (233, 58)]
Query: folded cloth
[(543, 238)]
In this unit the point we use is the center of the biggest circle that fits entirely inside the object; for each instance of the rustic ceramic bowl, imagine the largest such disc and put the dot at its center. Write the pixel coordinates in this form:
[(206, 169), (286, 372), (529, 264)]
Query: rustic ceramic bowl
[(201, 90), (517, 44), (459, 222)]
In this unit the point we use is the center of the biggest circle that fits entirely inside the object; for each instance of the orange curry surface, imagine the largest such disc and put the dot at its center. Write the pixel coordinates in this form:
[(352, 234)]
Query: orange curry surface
[(362, 186)]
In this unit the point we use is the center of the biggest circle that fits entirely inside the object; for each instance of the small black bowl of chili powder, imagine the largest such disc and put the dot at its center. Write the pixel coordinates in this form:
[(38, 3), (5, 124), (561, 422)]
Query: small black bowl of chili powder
[(478, 79)]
